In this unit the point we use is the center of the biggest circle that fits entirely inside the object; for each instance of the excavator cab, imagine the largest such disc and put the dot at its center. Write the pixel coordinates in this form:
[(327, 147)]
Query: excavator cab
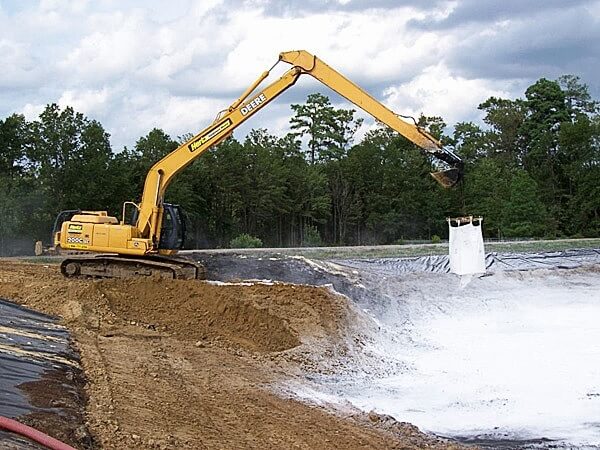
[(173, 230), (98, 230), (172, 233)]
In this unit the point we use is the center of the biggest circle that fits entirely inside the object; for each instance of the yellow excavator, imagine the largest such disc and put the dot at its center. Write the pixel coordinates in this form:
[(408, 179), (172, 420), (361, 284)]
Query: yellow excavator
[(148, 245)]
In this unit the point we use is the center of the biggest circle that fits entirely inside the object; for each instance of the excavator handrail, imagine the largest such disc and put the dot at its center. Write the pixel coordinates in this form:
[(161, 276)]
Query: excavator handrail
[(160, 175)]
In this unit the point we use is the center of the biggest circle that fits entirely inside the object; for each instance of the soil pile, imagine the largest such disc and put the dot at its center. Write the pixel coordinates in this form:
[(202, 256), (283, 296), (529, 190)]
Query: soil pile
[(180, 364), (200, 311)]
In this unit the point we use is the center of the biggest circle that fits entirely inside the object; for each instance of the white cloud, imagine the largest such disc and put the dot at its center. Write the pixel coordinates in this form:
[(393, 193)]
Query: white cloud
[(202, 8), (18, 68), (141, 112), (32, 111), (594, 9), (134, 66), (104, 55), (192, 114), (89, 102), (437, 92), (364, 45)]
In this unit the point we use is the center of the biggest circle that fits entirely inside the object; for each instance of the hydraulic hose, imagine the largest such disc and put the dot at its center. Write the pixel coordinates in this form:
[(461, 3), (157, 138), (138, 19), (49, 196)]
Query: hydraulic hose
[(33, 434)]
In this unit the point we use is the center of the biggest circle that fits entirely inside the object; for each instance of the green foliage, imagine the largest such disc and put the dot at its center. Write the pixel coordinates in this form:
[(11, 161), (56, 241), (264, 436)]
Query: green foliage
[(69, 156), (435, 239), (486, 189), (531, 169), (577, 96), (504, 139), (14, 138), (329, 130), (244, 240), (312, 237), (523, 212)]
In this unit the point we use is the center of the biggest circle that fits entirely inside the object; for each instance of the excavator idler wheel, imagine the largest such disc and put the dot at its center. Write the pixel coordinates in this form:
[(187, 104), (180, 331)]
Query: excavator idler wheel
[(71, 269)]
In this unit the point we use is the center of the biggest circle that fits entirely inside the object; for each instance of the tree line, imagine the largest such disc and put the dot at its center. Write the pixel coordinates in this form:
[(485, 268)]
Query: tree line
[(532, 170)]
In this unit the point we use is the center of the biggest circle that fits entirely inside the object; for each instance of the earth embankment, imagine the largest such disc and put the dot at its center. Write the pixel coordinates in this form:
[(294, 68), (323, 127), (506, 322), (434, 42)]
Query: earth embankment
[(179, 364)]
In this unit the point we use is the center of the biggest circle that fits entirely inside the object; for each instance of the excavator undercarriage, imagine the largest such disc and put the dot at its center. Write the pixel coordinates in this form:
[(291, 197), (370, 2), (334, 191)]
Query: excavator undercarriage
[(117, 266)]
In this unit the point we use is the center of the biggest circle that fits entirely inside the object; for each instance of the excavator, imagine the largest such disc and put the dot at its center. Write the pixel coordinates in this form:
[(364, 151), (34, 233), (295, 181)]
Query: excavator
[(148, 245)]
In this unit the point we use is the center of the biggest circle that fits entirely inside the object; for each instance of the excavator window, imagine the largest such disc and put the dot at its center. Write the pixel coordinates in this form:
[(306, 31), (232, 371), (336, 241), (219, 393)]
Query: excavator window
[(172, 234)]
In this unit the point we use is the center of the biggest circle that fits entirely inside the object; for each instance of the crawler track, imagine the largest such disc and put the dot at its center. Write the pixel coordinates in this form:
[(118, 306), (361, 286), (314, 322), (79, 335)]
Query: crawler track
[(116, 266)]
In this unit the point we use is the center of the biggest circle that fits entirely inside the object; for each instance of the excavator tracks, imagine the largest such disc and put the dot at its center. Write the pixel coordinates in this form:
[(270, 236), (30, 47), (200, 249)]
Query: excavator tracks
[(115, 266)]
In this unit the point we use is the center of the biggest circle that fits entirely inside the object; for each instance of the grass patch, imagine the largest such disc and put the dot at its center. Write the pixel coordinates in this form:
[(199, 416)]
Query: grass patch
[(415, 250), (41, 259)]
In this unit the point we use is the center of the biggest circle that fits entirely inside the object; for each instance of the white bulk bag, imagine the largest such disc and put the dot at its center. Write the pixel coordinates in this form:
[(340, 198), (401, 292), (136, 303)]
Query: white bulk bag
[(467, 255)]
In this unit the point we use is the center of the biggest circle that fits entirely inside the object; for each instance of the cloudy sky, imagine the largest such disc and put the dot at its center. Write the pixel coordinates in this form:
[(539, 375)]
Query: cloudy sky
[(135, 65)]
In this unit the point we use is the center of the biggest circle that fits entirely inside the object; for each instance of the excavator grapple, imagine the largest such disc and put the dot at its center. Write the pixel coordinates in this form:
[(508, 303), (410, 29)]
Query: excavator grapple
[(448, 178)]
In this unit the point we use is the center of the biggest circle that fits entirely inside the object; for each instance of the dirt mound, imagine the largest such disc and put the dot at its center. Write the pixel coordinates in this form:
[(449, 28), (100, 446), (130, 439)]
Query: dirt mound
[(258, 317), (200, 311), (180, 364)]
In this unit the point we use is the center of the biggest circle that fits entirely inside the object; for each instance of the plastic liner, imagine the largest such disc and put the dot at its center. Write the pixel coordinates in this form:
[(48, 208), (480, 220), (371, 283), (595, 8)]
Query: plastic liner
[(13, 442), (350, 276), (494, 262), (402, 292), (31, 346), (227, 266), (568, 259), (355, 278)]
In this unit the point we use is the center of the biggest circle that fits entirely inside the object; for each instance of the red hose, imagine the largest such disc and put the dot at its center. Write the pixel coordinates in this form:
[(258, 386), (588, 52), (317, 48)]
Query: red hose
[(33, 434)]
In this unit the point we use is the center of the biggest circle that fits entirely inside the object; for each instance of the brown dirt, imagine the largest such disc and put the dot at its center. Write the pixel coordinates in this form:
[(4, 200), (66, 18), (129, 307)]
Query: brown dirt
[(62, 390), (180, 364)]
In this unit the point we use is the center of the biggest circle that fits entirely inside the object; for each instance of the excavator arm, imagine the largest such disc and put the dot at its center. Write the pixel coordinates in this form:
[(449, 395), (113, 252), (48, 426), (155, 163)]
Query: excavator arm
[(313, 66), (160, 175)]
